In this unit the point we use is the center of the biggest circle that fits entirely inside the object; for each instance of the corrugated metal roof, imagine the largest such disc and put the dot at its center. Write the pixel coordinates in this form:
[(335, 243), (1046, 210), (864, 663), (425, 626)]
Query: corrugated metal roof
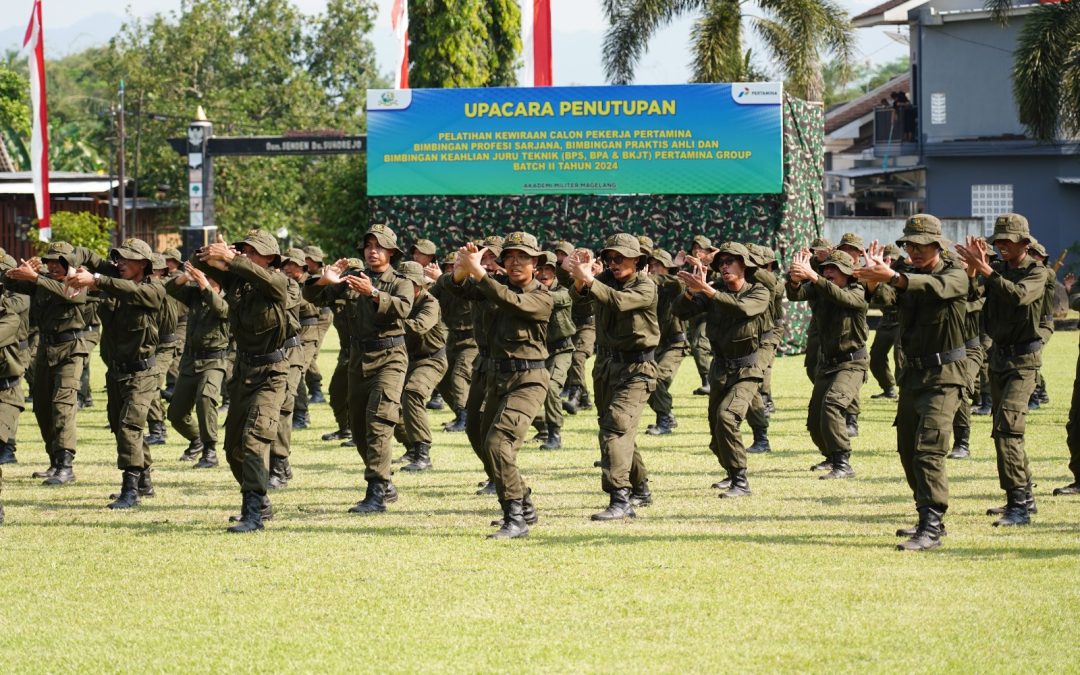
[(865, 171)]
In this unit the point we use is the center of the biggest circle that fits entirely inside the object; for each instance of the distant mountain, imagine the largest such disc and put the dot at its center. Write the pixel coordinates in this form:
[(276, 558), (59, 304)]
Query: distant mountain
[(92, 31)]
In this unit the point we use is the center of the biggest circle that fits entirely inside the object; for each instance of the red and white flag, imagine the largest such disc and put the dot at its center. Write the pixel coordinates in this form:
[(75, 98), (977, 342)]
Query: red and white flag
[(399, 19), (34, 46), (536, 38)]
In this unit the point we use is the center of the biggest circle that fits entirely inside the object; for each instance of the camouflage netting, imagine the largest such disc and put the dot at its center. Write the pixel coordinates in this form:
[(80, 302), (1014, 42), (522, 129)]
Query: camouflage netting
[(785, 221)]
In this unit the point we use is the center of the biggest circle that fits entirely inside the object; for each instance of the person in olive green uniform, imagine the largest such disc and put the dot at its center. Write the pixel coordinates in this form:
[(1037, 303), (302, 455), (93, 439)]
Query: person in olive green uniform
[(1046, 318), (425, 341), (1072, 426), (11, 305), (582, 312), (930, 293), (377, 307), (61, 353), (168, 341), (202, 367), (174, 264), (674, 345), (560, 347), (821, 248), (312, 383), (701, 249), (297, 352), (483, 314), (339, 379), (12, 401), (131, 316), (624, 375), (841, 318), (1014, 300), (518, 383), (92, 336), (461, 347), (885, 337), (757, 417), (256, 294), (311, 333), (737, 318), (973, 362)]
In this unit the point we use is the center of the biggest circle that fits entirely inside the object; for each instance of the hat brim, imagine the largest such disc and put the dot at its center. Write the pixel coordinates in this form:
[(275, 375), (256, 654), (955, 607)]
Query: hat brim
[(623, 251), (382, 240), (846, 269), (128, 255), (922, 240), (527, 250), (1014, 238)]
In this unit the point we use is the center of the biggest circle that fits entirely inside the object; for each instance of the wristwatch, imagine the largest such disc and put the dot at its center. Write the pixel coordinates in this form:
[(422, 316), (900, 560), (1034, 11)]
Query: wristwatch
[(375, 294), (894, 279)]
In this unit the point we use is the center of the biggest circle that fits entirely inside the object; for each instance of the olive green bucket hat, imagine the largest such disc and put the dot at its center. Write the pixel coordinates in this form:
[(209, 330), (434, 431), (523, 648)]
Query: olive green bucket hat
[(59, 250), (626, 245), (383, 235), (355, 264), (158, 261), (1012, 227), (173, 254), (548, 258), (760, 255), (494, 243), (645, 243), (663, 257), (736, 249), (922, 229), (820, 243), (425, 246), (295, 256), (136, 249), (315, 253), (264, 243), (853, 240), (892, 251), (414, 272), (702, 241), (841, 261), (521, 241), (564, 247), (1034, 246), (449, 259)]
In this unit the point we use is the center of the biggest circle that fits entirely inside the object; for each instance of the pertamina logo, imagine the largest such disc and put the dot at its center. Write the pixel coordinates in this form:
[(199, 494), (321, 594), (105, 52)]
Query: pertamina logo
[(757, 93)]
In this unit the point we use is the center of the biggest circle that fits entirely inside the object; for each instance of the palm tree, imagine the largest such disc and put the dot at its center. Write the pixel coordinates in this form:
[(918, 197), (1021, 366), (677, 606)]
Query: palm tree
[(1046, 68), (797, 34)]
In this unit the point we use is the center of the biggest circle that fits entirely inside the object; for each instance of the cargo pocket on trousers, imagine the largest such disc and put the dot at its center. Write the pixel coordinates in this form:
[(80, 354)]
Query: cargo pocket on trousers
[(930, 439), (1009, 422), (837, 398), (387, 409), (738, 405), (512, 420), (133, 414), (262, 424)]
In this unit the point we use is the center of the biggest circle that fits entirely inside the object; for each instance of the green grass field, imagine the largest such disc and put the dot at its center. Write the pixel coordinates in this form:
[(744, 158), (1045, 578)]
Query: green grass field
[(803, 576)]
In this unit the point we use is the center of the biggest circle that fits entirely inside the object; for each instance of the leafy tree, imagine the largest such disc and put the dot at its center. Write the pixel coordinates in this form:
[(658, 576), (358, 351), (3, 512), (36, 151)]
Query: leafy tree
[(78, 229), (463, 43), (862, 78), (797, 34), (1046, 68)]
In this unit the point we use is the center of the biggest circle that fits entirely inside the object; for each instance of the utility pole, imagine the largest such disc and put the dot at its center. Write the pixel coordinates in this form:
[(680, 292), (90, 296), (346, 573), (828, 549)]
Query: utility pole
[(121, 229), (138, 150)]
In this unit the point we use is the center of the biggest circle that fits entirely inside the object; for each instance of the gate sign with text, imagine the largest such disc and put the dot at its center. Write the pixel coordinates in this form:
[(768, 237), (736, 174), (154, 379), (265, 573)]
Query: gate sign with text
[(680, 139)]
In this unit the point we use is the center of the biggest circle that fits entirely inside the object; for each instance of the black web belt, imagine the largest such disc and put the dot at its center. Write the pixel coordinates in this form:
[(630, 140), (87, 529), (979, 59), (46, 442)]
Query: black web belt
[(935, 360)]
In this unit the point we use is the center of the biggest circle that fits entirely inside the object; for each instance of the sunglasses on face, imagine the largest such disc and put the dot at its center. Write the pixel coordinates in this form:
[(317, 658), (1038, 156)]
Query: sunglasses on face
[(615, 259), (724, 262)]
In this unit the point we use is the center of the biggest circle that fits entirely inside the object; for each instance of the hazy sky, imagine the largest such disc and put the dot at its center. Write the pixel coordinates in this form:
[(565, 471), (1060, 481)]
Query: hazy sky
[(578, 27)]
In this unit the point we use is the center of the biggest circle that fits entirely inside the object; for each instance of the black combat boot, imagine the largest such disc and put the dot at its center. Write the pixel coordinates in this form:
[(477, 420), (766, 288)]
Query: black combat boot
[(458, 423), (1033, 401), (528, 511), (722, 484), (288, 468), (554, 439), (761, 441), (664, 425), (1070, 489), (300, 420), (841, 467), (960, 448), (985, 407), (914, 529), (641, 495), (51, 471), (390, 494), (251, 513), (157, 434), (889, 393), (541, 434), (927, 533), (407, 457), (740, 486), (583, 400), (194, 449), (7, 454), (618, 508), (1016, 509), (852, 421), (487, 488), (825, 465), (265, 509), (374, 500), (316, 395), (1029, 497), (513, 523), (1042, 394), (421, 459), (146, 483), (770, 405), (278, 479), (129, 490), (64, 472), (436, 402), (571, 405), (209, 457), (705, 389), (339, 435)]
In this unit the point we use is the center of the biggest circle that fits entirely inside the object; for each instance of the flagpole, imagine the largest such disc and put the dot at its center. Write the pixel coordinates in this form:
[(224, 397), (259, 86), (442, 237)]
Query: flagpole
[(34, 47)]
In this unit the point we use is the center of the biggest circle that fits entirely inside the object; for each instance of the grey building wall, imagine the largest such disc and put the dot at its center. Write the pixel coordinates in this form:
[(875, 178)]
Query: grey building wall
[(970, 62), (1052, 209)]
